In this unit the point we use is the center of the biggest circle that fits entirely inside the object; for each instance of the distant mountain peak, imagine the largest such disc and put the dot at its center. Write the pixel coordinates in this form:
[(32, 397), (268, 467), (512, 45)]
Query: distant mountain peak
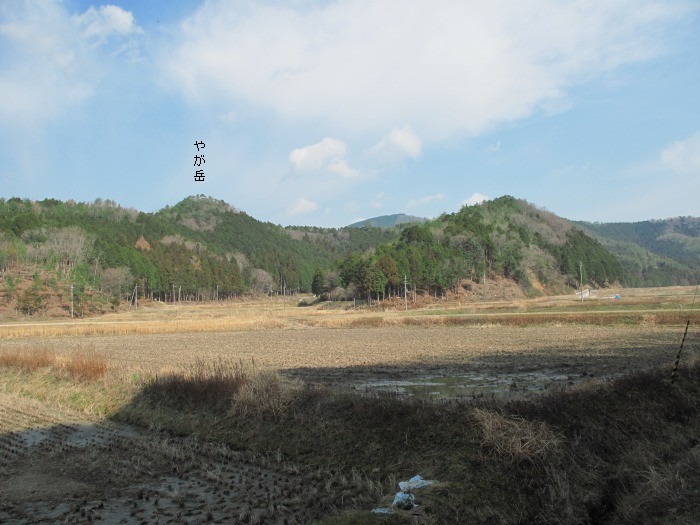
[(387, 221), (203, 203)]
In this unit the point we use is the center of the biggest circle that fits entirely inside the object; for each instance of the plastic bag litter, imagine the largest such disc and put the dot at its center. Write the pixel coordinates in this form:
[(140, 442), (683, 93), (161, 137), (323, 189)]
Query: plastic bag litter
[(416, 482), (403, 500)]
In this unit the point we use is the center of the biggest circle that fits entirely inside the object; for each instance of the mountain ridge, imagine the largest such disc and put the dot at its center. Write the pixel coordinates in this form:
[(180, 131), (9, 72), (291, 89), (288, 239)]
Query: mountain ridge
[(202, 247), (387, 221)]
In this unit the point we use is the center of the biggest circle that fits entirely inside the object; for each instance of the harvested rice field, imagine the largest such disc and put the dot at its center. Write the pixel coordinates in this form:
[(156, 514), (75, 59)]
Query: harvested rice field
[(64, 468), (355, 356), (253, 413)]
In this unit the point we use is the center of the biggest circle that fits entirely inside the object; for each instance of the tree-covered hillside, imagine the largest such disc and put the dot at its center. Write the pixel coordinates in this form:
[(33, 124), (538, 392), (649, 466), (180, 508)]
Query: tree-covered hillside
[(103, 247), (202, 248), (199, 248), (653, 253), (505, 237), (270, 256)]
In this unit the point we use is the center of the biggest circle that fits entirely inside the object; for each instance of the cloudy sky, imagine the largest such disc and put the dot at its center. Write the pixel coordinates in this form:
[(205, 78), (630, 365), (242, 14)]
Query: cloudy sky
[(326, 112)]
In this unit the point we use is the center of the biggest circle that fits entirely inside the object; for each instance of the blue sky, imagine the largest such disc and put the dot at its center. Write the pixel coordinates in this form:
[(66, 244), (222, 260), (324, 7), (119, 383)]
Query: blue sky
[(327, 112)]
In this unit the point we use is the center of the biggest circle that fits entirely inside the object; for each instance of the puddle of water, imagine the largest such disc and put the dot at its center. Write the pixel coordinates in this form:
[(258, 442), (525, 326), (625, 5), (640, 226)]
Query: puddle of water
[(478, 384), (73, 435)]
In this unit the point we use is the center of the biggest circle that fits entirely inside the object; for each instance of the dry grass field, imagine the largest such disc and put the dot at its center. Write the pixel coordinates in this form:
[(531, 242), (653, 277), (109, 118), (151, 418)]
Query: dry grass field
[(248, 412)]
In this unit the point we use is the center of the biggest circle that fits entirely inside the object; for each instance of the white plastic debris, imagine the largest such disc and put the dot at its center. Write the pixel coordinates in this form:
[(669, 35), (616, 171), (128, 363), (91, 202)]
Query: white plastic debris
[(416, 482), (403, 500)]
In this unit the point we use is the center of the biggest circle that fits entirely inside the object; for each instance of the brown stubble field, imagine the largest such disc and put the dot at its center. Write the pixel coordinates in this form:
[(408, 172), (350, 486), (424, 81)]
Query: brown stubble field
[(62, 461), (348, 354), (325, 341)]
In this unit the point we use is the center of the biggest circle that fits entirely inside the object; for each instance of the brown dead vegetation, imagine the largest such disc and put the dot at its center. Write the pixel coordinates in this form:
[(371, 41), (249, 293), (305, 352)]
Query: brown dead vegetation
[(518, 439), (82, 365)]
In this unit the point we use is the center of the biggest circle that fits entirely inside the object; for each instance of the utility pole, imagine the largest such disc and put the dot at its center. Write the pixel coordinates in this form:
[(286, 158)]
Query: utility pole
[(580, 267), (71, 301), (405, 292), (136, 296)]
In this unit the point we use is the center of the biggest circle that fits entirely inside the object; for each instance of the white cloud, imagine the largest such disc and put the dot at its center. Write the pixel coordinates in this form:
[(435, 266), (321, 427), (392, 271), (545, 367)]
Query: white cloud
[(106, 21), (683, 156), (462, 67), (476, 198), (341, 168), (327, 155), (317, 156), (49, 64), (401, 142), (301, 206), (428, 199)]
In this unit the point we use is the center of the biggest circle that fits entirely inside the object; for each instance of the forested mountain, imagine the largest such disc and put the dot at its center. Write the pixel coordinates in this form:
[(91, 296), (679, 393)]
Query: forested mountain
[(202, 248), (653, 253), (387, 221), (199, 248), (505, 236)]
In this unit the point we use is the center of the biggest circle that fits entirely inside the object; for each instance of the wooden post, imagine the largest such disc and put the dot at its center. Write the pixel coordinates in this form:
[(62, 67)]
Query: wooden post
[(405, 292), (678, 356)]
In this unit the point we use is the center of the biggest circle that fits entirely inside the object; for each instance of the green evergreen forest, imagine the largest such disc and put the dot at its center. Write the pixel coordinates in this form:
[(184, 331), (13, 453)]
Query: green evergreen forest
[(199, 249), (202, 249), (653, 253), (505, 237)]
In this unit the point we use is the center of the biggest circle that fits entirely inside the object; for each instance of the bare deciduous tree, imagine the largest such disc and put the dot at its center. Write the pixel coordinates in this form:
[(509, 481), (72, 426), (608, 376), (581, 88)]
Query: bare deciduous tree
[(69, 245), (262, 281), (114, 281)]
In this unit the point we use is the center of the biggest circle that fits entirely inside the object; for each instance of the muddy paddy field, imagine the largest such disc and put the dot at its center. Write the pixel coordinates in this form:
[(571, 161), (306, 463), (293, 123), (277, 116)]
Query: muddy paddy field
[(324, 412)]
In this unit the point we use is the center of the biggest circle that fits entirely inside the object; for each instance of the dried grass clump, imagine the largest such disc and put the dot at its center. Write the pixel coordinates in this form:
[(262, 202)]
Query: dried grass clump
[(265, 393), (28, 359), (85, 366), (517, 439), (223, 385), (206, 383), (82, 365)]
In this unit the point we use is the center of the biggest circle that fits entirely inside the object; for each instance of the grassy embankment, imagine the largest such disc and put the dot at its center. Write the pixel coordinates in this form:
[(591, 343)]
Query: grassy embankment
[(244, 320), (624, 452)]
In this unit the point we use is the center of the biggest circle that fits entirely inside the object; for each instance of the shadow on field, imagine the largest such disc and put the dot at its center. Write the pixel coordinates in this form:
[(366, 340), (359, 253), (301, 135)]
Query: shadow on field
[(625, 451), (229, 442), (58, 470)]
